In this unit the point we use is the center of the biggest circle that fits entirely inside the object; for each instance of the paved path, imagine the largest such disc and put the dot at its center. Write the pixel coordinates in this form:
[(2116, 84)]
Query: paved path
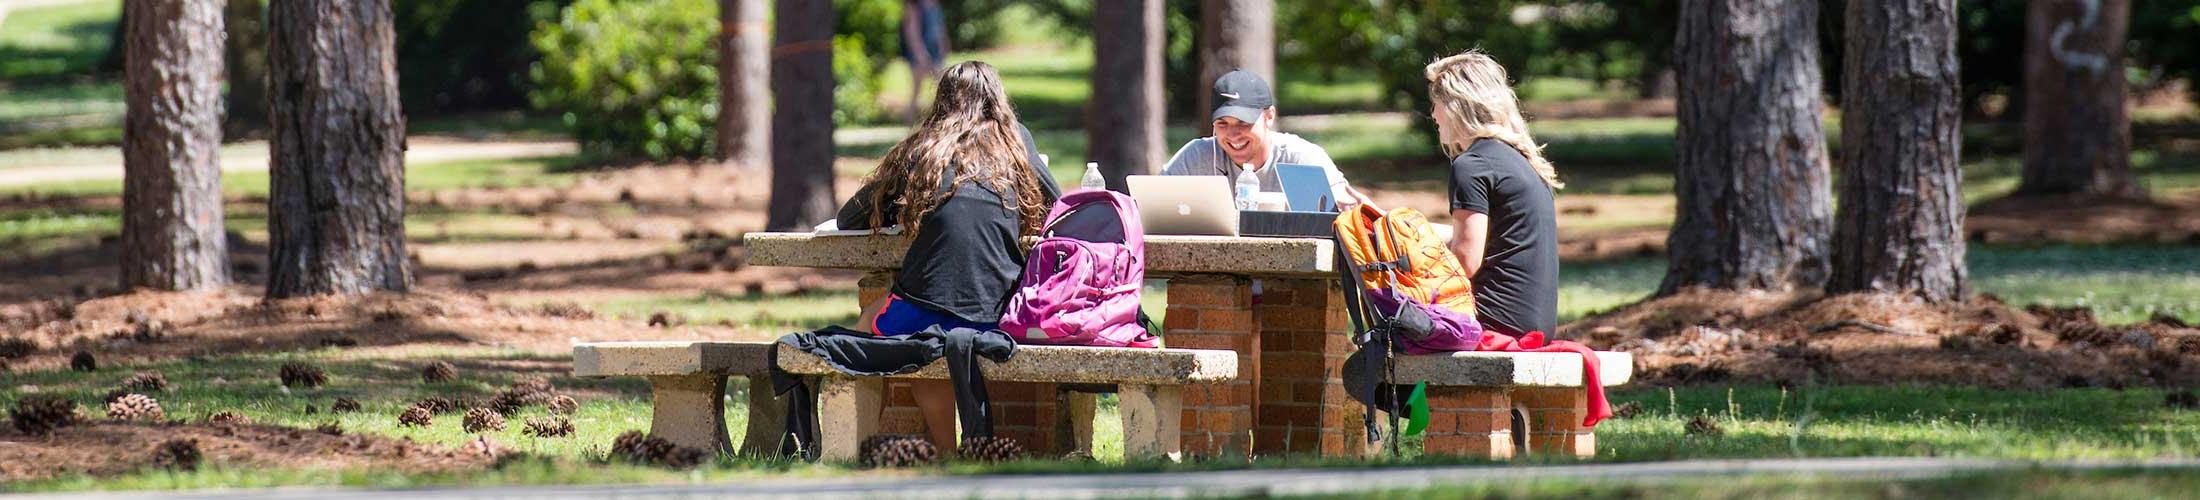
[(1243, 483), (25, 167)]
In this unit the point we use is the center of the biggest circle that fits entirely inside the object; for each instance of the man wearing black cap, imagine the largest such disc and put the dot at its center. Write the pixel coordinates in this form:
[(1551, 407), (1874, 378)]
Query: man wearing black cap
[(1244, 138)]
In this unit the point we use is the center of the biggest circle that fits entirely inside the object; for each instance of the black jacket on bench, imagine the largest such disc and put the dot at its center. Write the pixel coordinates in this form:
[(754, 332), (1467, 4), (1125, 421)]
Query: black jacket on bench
[(861, 354)]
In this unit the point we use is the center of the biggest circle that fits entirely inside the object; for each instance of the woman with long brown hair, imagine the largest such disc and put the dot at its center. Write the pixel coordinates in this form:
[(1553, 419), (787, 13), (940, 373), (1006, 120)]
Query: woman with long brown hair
[(965, 187), (1501, 195)]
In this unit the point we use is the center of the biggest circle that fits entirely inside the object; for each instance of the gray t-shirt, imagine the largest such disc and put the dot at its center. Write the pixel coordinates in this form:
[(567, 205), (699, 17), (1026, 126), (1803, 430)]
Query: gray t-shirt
[(1203, 156)]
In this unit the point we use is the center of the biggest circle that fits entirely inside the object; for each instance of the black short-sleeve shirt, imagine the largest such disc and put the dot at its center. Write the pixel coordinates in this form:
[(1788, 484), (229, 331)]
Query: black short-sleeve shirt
[(1516, 289)]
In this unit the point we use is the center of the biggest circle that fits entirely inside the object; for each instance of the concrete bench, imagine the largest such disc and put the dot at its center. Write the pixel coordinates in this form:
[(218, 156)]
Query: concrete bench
[(687, 384), (1497, 404), (1148, 384)]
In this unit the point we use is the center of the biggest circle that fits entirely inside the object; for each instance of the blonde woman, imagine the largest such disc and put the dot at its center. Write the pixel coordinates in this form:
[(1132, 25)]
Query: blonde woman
[(1501, 195)]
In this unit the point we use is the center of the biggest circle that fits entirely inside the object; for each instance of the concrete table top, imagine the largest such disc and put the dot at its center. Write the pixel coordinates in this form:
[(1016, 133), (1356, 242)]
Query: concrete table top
[(646, 358), (1069, 365), (1165, 255)]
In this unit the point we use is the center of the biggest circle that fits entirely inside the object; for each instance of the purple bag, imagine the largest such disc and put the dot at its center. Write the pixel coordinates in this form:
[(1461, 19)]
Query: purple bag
[(1081, 281), (1447, 331)]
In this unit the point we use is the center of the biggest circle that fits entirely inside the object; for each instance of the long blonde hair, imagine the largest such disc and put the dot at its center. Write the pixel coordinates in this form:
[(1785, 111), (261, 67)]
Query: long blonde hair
[(970, 126), (1471, 90)]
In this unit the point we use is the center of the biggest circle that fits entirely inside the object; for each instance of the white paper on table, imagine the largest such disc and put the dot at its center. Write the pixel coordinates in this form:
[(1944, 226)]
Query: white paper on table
[(831, 227)]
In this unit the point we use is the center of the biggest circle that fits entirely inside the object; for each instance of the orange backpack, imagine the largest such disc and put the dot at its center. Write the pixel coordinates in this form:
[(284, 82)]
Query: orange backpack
[(1400, 250)]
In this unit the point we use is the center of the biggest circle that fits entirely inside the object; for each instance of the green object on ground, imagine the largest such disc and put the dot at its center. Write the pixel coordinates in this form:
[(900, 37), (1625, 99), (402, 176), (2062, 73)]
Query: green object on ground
[(1417, 405)]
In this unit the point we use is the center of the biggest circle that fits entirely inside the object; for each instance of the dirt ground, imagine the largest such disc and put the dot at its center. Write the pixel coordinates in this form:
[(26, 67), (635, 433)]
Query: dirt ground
[(513, 283), (1703, 336), (103, 447)]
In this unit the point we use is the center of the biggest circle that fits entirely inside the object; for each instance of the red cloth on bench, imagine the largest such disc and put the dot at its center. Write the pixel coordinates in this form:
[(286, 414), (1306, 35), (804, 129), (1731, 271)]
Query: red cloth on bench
[(1599, 409)]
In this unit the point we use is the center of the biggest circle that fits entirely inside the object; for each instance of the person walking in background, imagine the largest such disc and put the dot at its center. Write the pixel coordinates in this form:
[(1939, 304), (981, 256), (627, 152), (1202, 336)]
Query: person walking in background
[(923, 44), (1501, 195)]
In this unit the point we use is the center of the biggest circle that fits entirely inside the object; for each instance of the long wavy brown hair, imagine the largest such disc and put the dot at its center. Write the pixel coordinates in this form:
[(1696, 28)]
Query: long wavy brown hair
[(970, 129)]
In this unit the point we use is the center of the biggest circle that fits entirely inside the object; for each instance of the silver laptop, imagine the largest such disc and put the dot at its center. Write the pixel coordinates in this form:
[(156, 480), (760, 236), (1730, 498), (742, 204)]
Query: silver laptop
[(1185, 204)]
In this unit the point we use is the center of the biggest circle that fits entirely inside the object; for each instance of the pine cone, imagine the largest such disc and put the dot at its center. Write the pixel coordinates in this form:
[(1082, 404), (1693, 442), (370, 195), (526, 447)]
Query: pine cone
[(440, 371), (636, 447), (330, 428), (416, 417), (344, 405), (564, 405), (437, 405), (990, 449), (483, 419), (299, 374), (83, 362), (178, 454), (897, 450), (41, 415), (135, 407), (226, 417), (1704, 425), (546, 427), (146, 382)]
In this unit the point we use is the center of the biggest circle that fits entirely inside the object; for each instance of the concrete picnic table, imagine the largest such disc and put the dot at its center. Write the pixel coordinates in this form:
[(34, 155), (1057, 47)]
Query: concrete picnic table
[(1289, 394)]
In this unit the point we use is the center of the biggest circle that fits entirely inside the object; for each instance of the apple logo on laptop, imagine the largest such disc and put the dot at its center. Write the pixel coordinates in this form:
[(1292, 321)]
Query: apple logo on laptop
[(1183, 209)]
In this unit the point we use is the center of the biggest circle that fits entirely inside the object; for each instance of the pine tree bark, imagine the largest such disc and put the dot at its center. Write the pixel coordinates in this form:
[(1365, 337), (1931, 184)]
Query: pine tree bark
[(802, 123), (1899, 228), (172, 234), (336, 207), (2077, 134), (1754, 200), (744, 85), (246, 23), (1234, 34), (1123, 121)]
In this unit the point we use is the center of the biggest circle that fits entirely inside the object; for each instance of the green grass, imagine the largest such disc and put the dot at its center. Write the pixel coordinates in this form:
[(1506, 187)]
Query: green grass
[(485, 173), (1759, 421), (60, 41), (2011, 484), (774, 313)]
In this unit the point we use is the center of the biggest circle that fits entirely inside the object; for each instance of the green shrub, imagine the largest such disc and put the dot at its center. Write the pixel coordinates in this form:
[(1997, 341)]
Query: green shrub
[(632, 78), (466, 55), (639, 78)]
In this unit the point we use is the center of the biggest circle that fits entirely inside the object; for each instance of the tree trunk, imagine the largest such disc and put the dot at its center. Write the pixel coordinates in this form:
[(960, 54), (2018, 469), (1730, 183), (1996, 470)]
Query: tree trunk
[(336, 206), (1123, 122), (1233, 34), (172, 235), (744, 85), (2077, 134), (802, 124), (1900, 223), (247, 63), (1752, 181)]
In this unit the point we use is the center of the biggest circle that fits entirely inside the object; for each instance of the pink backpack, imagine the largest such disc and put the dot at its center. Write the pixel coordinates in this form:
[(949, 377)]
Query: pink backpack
[(1081, 281)]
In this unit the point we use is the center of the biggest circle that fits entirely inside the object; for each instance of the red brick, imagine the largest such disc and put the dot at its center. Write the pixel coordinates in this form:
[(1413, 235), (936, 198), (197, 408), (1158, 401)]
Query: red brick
[(1443, 422), (1291, 318), (1494, 446), (1562, 421), (1473, 421), (1553, 398), (1180, 319), (1467, 398), (1219, 291), (1307, 392), (1226, 320)]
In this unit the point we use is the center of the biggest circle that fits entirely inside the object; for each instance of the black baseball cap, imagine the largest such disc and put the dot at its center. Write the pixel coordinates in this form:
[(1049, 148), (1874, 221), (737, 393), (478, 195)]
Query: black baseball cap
[(1242, 95)]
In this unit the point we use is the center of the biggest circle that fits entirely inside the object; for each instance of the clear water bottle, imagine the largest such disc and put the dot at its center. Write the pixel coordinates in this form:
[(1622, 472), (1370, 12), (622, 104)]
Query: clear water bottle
[(1093, 179), (1247, 185)]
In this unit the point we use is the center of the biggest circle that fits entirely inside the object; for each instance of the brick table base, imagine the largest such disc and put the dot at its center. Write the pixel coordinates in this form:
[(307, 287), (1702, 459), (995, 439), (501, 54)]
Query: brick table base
[(1494, 422)]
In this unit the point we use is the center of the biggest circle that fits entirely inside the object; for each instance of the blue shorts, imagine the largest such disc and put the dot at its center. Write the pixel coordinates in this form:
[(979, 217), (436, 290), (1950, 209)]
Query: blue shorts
[(902, 317)]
